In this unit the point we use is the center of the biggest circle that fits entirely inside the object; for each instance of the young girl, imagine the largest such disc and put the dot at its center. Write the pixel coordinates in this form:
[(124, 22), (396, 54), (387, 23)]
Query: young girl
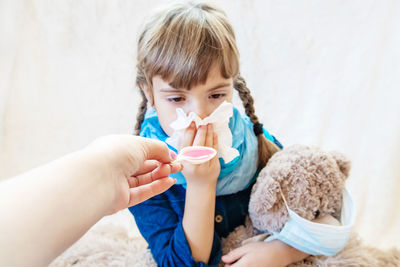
[(188, 59)]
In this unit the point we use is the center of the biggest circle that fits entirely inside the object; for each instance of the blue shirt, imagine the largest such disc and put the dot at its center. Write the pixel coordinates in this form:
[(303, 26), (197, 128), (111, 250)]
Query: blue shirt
[(159, 220)]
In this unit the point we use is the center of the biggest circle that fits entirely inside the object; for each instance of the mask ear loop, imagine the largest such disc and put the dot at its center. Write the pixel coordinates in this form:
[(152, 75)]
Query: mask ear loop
[(283, 197), (275, 234)]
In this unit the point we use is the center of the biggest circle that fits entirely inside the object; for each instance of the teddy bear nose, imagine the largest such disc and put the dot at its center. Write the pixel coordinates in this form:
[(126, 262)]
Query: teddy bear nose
[(316, 214)]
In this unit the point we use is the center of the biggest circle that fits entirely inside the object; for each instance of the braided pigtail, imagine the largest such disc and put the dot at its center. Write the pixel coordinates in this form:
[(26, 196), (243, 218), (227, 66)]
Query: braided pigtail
[(265, 147), (141, 112)]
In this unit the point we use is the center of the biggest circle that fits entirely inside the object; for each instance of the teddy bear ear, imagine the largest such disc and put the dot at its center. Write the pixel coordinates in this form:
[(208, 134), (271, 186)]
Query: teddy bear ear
[(343, 163), (264, 195)]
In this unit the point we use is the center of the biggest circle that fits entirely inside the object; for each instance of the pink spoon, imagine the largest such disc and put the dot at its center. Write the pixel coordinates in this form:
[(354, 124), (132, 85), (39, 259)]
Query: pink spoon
[(196, 154)]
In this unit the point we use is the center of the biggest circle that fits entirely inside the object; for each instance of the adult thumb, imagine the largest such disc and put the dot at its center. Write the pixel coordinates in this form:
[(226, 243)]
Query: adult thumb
[(156, 150)]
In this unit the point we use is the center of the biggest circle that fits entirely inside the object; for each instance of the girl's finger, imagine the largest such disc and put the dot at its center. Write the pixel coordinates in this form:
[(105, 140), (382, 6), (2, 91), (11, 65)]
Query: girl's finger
[(200, 138), (239, 263), (233, 255), (215, 141), (210, 136), (188, 137)]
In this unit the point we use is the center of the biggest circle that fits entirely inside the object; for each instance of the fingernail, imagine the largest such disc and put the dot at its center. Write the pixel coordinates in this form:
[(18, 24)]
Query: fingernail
[(172, 154), (176, 166)]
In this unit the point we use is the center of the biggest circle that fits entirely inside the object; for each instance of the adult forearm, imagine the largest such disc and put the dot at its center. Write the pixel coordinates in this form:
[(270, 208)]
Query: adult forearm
[(45, 210), (198, 220)]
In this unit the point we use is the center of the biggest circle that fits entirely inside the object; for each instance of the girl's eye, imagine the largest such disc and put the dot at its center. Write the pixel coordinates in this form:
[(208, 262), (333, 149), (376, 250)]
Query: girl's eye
[(216, 96), (175, 99)]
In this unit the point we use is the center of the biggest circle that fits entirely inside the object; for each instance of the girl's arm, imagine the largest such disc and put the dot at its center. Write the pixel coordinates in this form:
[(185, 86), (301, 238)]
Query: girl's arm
[(198, 219), (179, 225), (160, 222)]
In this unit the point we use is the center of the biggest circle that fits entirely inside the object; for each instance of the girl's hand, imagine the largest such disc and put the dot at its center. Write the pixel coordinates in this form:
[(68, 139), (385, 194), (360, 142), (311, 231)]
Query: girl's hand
[(274, 253), (206, 173)]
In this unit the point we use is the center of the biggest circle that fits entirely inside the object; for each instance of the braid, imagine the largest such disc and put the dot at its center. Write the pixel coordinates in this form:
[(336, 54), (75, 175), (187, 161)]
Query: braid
[(141, 112), (265, 147), (247, 99)]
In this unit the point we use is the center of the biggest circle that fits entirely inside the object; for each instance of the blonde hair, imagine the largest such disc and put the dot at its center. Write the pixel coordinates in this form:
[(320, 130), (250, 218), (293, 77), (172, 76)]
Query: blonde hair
[(180, 43)]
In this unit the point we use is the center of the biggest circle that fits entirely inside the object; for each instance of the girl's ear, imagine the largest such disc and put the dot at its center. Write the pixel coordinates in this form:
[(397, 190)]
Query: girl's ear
[(147, 93)]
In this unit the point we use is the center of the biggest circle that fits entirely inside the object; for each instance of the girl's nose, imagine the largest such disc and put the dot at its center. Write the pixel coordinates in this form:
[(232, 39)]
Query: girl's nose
[(201, 110)]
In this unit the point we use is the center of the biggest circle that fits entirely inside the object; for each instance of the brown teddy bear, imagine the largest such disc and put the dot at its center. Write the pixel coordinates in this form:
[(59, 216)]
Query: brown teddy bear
[(312, 182)]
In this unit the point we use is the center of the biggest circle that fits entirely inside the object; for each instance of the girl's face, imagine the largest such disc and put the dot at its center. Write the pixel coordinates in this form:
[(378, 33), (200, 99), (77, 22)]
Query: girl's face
[(202, 99)]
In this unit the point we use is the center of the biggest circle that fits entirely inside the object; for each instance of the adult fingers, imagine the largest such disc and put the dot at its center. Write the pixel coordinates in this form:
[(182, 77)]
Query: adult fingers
[(147, 166), (160, 172), (144, 192), (188, 136), (155, 149), (176, 167), (201, 134)]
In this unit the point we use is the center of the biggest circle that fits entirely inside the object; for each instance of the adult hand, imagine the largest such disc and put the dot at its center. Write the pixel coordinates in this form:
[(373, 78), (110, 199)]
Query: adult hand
[(136, 167), (62, 199)]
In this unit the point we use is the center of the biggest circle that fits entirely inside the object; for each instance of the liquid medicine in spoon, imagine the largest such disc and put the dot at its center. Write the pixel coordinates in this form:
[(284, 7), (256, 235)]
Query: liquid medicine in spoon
[(196, 154)]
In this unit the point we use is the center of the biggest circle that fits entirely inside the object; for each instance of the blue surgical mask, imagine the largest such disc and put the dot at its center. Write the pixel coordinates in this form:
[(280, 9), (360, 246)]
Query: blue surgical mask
[(316, 238)]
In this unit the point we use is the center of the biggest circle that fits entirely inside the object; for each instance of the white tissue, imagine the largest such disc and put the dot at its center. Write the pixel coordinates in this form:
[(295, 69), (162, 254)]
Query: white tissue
[(220, 120)]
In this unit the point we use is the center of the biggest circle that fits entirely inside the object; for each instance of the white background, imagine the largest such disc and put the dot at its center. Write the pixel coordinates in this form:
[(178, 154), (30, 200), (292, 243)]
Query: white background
[(325, 73)]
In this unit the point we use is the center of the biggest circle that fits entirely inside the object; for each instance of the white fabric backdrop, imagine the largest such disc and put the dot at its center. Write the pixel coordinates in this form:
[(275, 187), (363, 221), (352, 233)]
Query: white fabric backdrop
[(325, 73)]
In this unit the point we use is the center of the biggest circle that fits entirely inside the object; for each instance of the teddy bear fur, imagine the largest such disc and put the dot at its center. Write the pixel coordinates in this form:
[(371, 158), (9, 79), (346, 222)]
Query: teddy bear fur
[(312, 181), (114, 241)]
